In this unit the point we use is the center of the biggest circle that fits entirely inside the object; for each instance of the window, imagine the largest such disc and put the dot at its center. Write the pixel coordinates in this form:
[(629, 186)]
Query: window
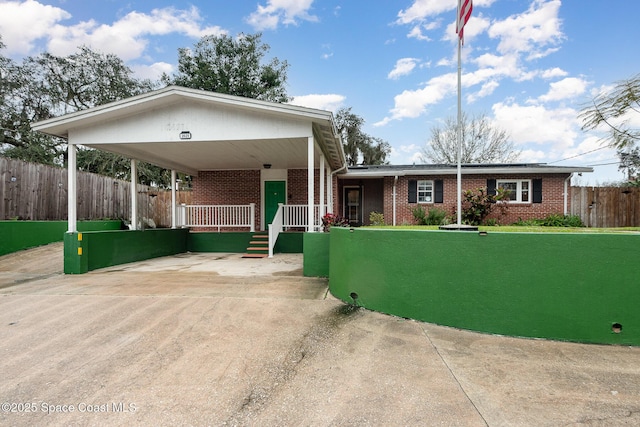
[(517, 190), (425, 191)]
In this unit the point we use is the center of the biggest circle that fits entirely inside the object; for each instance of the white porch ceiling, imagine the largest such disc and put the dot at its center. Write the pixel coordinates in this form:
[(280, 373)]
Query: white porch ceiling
[(191, 157)]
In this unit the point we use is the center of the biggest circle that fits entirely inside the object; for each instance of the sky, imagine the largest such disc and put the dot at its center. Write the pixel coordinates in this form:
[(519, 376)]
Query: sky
[(530, 66)]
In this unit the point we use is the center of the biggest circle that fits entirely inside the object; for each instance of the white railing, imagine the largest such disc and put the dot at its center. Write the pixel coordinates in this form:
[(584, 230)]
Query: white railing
[(275, 228), (296, 216), (291, 216), (217, 216)]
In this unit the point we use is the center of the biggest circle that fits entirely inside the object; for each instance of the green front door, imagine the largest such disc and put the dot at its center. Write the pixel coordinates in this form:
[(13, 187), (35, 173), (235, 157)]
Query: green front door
[(274, 192)]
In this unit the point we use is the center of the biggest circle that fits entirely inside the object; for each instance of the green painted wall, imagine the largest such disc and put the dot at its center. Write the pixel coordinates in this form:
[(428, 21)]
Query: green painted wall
[(233, 242), (108, 248), (289, 242), (18, 235), (316, 254), (561, 286)]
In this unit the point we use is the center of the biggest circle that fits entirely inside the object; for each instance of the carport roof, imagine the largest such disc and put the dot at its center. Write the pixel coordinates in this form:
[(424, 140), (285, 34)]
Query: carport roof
[(232, 132)]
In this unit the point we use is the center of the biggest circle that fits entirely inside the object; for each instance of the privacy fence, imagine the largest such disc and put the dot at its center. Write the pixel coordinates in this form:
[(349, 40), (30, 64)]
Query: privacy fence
[(31, 191), (606, 206), (38, 192)]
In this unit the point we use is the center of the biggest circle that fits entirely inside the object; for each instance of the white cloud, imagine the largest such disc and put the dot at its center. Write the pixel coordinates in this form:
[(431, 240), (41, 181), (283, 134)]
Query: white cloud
[(22, 23), (404, 66), (153, 71), (422, 9), (565, 89), (486, 90), (327, 102), (537, 124), (276, 12), (474, 27), (538, 27), (412, 103), (552, 73), (126, 37)]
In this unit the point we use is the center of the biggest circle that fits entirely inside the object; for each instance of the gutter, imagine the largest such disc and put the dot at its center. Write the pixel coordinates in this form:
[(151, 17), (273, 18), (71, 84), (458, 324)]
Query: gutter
[(395, 182), (566, 193)]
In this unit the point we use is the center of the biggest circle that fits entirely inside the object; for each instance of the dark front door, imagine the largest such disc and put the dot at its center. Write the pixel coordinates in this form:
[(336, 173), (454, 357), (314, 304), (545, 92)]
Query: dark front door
[(274, 193), (353, 205)]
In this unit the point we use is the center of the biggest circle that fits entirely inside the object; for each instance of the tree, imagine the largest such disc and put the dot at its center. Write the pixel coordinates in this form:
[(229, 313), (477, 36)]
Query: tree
[(359, 147), (233, 66), (482, 143), (45, 86), (629, 162), (615, 110)]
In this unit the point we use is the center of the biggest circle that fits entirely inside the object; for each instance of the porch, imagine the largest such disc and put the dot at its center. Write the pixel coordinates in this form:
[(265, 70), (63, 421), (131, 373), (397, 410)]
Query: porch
[(242, 217)]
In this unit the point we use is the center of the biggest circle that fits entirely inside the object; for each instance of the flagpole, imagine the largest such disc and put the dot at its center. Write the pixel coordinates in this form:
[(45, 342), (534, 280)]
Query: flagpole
[(459, 127)]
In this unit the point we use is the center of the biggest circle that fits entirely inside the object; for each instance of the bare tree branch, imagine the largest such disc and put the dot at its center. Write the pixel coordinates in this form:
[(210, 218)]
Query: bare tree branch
[(482, 143)]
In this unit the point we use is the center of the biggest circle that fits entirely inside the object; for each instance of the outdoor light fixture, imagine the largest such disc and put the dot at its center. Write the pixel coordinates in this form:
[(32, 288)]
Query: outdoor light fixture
[(267, 165), (185, 134)]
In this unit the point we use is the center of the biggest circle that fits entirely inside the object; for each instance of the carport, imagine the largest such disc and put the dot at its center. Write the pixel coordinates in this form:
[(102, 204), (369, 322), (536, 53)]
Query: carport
[(193, 131)]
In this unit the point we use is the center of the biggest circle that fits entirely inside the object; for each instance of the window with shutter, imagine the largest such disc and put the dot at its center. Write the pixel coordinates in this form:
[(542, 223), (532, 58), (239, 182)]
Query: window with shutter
[(413, 191), (537, 191), (439, 191)]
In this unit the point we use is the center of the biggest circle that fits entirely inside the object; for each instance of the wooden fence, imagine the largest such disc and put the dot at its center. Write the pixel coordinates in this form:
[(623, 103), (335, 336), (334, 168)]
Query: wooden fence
[(38, 192), (606, 206)]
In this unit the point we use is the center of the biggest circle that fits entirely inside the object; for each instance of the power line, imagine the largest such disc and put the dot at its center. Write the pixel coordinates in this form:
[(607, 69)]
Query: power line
[(578, 155), (605, 164)]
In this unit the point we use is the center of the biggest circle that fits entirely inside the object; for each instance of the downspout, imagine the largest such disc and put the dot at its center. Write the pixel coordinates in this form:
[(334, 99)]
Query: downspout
[(331, 184), (566, 194), (395, 182)]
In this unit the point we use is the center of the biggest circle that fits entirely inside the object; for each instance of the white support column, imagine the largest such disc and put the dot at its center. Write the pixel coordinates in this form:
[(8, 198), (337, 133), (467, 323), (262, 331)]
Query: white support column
[(329, 185), (322, 209), (72, 190), (173, 199), (310, 184), (134, 195)]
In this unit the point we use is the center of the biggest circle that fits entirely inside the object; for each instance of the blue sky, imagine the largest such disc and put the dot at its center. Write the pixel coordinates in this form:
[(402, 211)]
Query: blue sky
[(529, 65)]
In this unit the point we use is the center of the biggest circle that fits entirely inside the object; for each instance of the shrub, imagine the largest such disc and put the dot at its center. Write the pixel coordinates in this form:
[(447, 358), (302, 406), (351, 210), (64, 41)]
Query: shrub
[(553, 220), (331, 220), (478, 204), (434, 216), (419, 215), (376, 218)]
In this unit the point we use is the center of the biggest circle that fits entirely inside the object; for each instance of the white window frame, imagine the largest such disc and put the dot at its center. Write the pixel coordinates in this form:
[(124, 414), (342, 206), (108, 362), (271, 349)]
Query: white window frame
[(519, 190), (427, 195)]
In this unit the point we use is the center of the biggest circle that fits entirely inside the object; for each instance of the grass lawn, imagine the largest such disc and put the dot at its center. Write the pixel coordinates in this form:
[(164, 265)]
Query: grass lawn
[(522, 229)]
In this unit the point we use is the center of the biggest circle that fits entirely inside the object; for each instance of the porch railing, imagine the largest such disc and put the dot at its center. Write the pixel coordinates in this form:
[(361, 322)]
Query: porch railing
[(291, 216), (275, 228), (296, 216), (217, 216)]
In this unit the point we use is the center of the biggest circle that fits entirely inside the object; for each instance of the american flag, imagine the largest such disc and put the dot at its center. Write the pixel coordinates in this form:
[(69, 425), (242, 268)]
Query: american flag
[(464, 13)]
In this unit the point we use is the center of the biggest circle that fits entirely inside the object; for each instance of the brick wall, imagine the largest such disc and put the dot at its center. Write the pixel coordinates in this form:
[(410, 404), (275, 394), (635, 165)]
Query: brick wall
[(552, 196), (241, 187), (238, 187)]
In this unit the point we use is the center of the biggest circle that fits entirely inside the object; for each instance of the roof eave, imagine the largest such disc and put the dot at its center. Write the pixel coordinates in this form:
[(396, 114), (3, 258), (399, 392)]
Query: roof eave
[(465, 171)]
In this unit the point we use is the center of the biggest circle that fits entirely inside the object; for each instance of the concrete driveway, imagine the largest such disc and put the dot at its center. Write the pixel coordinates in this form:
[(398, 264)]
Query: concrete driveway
[(214, 339)]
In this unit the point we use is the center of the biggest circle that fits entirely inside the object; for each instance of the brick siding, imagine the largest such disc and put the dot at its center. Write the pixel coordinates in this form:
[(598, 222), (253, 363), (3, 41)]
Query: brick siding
[(241, 187), (552, 197)]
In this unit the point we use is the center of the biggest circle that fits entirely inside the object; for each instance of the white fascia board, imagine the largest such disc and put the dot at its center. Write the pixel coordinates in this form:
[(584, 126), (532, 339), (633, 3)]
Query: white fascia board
[(472, 171)]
